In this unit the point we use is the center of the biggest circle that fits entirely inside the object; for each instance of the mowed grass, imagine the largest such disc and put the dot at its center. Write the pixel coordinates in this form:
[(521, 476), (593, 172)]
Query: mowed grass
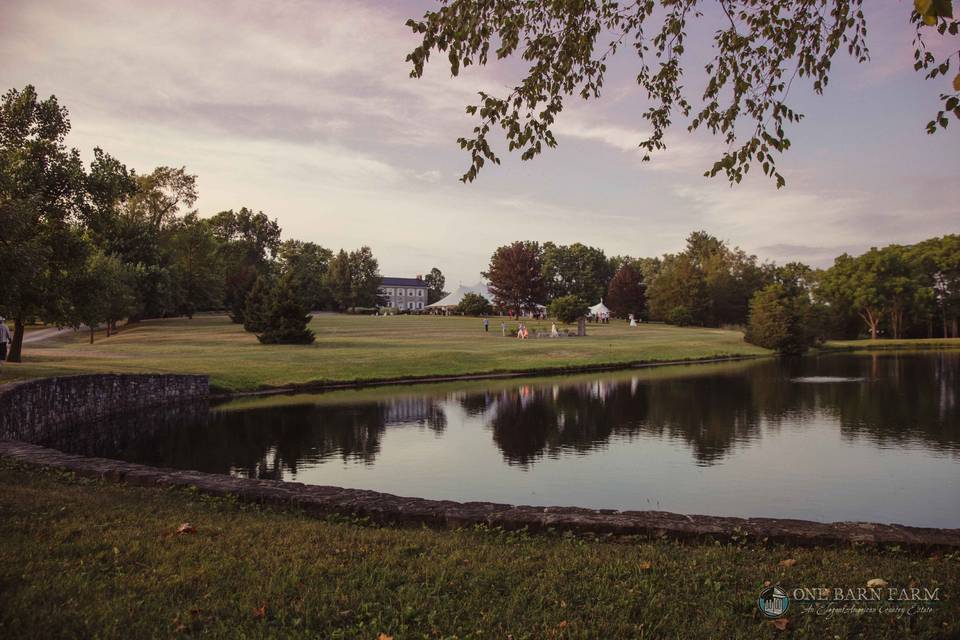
[(891, 343), (83, 558), (362, 348)]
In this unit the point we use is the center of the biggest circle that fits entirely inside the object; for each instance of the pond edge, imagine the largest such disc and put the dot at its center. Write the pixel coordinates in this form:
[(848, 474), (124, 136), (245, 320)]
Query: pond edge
[(385, 508), (44, 404)]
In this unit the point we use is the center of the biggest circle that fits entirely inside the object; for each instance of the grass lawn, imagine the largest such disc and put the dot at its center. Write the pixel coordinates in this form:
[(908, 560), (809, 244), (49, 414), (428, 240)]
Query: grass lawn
[(890, 343), (84, 558), (353, 348)]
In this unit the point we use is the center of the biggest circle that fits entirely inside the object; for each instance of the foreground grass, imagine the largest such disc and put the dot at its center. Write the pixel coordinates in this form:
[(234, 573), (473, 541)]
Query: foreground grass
[(82, 558), (356, 348)]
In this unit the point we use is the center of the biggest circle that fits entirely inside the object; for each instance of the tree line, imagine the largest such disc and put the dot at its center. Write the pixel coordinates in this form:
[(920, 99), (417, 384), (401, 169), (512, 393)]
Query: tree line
[(896, 291), (99, 243)]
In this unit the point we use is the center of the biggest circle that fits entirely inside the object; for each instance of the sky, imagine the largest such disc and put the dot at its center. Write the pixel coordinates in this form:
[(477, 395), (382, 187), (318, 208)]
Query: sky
[(305, 110)]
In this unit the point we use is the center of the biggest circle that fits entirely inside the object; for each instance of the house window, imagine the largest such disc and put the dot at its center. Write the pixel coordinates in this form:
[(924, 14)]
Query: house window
[(390, 291), (409, 305), (410, 292), (419, 305), (419, 293)]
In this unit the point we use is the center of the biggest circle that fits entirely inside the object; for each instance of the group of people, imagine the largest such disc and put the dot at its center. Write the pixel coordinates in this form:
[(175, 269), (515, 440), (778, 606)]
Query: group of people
[(523, 333)]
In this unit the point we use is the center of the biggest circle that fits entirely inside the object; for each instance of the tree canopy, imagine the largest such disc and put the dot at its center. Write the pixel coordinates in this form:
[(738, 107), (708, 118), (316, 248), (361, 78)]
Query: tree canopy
[(516, 276), (93, 246), (759, 49)]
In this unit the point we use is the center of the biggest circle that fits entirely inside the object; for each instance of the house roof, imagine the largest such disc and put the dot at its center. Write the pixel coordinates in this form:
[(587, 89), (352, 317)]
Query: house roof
[(403, 282), (454, 298)]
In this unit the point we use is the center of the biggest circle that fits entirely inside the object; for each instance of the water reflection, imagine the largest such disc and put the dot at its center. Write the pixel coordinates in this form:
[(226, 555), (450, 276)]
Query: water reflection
[(638, 419)]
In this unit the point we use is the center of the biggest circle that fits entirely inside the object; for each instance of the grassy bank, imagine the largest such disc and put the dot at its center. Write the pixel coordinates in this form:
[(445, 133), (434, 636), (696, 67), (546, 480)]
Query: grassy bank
[(83, 558), (356, 348), (890, 343)]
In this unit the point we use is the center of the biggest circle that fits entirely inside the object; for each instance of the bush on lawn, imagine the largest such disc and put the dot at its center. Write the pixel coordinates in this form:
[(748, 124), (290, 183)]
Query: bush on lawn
[(568, 309), (474, 304), (288, 318)]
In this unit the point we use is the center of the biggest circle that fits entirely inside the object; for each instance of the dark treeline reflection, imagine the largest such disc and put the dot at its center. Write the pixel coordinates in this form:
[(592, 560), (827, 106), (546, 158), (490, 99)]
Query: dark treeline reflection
[(260, 442), (882, 399)]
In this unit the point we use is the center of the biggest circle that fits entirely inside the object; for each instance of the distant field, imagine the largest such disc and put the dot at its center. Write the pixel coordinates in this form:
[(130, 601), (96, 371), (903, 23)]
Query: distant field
[(357, 348), (890, 343)]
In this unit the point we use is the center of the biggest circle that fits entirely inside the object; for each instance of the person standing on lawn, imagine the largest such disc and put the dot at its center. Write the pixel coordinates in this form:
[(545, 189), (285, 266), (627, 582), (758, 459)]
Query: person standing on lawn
[(486, 325), (5, 338)]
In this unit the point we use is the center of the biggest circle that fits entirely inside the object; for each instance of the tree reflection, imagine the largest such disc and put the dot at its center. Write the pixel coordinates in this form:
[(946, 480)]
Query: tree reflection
[(886, 399), (260, 442), (889, 399)]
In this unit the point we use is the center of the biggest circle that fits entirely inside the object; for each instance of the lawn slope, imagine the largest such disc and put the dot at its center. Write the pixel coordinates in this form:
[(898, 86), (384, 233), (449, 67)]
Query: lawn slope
[(359, 348)]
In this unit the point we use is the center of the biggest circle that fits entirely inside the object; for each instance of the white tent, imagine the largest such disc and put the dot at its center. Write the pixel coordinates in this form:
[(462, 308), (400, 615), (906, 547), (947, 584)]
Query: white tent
[(600, 310), (454, 298)]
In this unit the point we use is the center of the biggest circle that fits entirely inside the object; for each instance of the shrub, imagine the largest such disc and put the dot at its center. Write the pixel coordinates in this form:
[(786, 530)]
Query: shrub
[(568, 309), (257, 306), (781, 320), (474, 304), (680, 316), (288, 319)]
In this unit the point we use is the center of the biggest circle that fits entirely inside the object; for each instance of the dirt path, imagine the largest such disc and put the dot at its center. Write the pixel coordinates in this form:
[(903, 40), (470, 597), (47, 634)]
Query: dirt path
[(45, 334)]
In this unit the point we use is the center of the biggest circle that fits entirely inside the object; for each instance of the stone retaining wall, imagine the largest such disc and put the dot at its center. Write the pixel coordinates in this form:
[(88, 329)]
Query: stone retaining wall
[(39, 410), (391, 509)]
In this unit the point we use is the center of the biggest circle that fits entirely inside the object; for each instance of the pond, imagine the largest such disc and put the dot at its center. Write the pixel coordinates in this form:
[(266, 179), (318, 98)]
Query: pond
[(872, 437)]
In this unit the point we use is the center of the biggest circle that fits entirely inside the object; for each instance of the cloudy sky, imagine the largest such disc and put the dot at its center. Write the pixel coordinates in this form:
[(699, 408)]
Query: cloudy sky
[(304, 109)]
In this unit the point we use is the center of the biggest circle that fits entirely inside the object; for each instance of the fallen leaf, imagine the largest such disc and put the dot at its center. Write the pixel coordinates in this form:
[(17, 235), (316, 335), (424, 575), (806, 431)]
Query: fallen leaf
[(186, 527), (780, 624), (645, 566), (260, 612), (563, 624), (789, 562), (384, 636), (956, 83), (876, 583)]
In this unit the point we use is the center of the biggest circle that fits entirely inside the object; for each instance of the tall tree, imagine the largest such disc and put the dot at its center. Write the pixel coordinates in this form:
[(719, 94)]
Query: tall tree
[(876, 285), (161, 195), (576, 270), (197, 265), (365, 278), (758, 47), (435, 283), (679, 292), (41, 199), (516, 276), (306, 264), (109, 185), (248, 244), (340, 281), (354, 279), (626, 294), (103, 292)]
